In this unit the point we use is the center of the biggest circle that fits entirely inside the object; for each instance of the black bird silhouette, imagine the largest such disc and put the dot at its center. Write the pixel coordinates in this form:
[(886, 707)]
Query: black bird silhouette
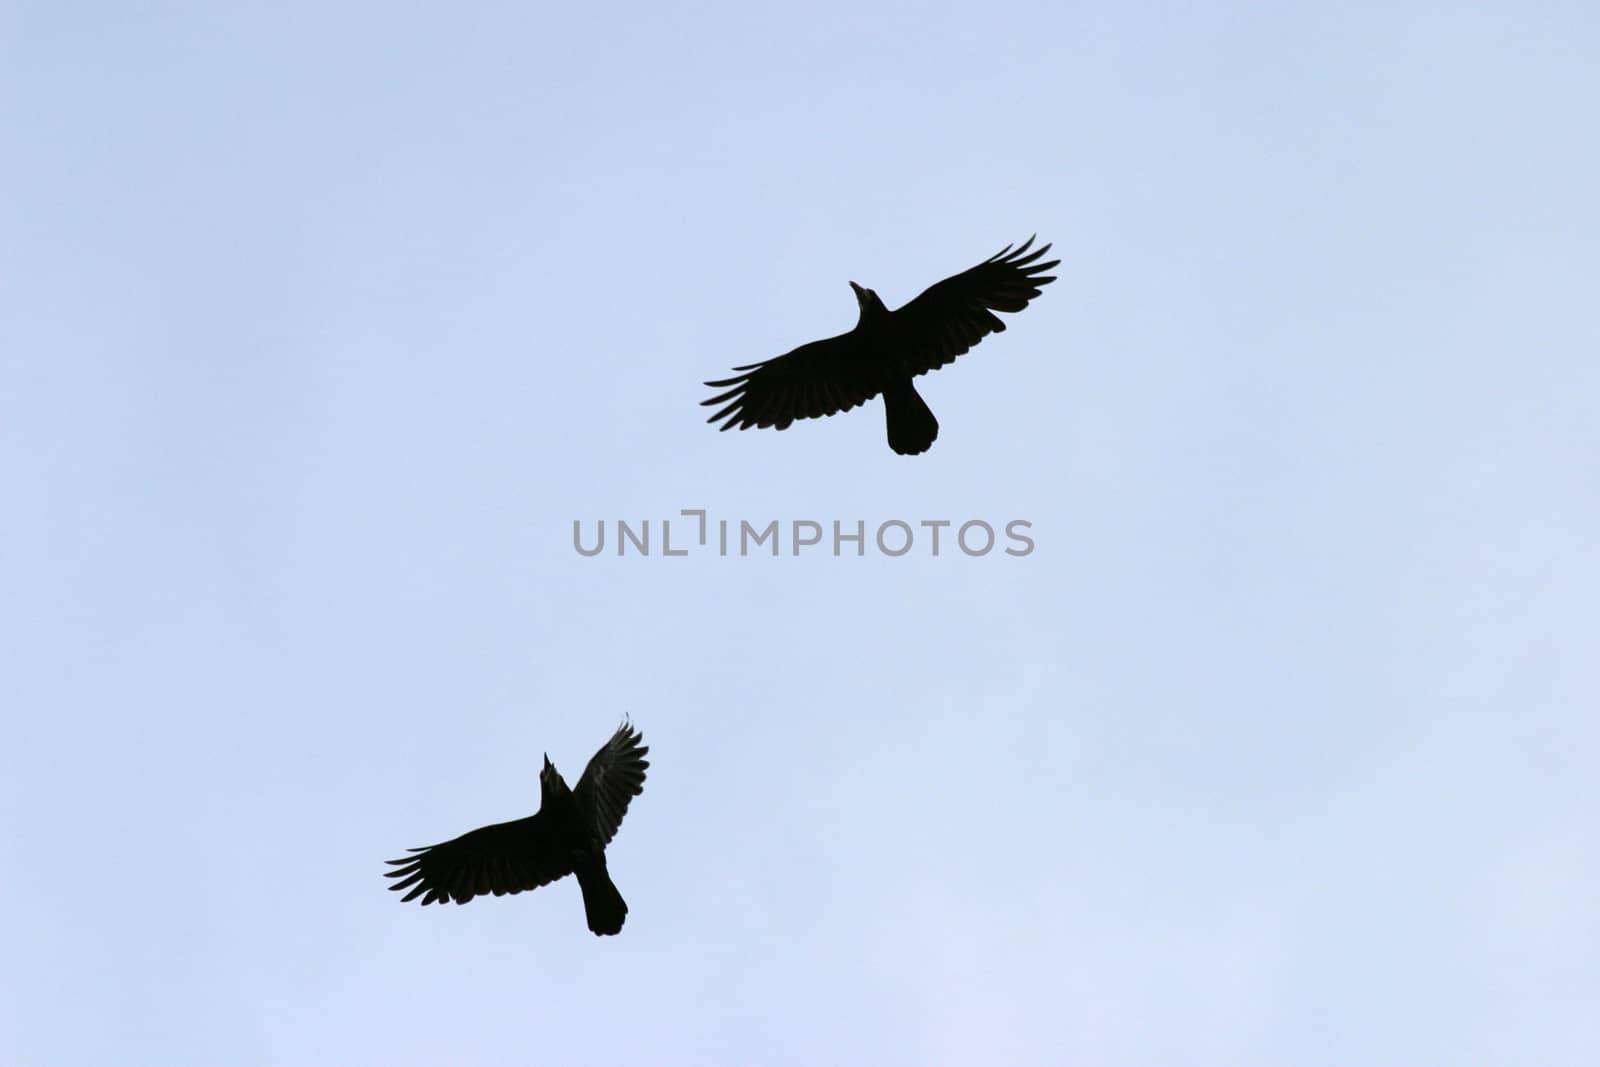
[(568, 835), (884, 352)]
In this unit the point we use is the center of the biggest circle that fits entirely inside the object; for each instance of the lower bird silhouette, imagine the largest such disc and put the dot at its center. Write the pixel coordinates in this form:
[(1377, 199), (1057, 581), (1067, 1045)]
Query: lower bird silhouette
[(568, 835)]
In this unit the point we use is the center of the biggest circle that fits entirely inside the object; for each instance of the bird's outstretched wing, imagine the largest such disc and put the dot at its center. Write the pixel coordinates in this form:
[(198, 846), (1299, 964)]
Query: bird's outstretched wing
[(507, 857), (613, 778), (953, 315), (821, 378)]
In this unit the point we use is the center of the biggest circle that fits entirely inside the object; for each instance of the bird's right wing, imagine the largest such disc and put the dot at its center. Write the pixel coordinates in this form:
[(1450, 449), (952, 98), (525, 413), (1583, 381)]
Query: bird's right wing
[(507, 857), (613, 778), (951, 316), (821, 378)]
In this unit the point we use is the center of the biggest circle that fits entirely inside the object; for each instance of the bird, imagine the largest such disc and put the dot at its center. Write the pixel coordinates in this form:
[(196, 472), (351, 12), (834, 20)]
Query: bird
[(568, 835), (885, 351)]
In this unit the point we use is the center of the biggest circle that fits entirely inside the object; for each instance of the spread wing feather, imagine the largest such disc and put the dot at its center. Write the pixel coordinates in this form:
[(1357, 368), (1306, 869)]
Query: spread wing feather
[(614, 776), (951, 316), (816, 379), (508, 857)]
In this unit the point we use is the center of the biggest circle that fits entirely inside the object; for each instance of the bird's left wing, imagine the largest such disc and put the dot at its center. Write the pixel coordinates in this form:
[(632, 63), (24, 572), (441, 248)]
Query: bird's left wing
[(953, 315), (613, 778), (817, 379), (507, 857)]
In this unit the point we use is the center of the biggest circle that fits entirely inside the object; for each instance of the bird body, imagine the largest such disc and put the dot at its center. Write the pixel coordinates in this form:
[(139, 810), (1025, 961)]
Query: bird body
[(885, 351), (567, 835)]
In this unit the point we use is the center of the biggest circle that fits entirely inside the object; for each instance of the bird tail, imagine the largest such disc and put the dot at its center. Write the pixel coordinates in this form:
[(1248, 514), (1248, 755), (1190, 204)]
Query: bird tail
[(912, 427), (602, 904)]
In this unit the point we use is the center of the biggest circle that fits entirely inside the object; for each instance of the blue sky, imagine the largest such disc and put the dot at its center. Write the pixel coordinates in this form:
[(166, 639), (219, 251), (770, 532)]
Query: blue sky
[(319, 328)]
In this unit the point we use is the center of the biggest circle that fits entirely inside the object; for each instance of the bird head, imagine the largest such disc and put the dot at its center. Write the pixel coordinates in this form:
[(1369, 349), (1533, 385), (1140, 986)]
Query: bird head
[(870, 304), (550, 780)]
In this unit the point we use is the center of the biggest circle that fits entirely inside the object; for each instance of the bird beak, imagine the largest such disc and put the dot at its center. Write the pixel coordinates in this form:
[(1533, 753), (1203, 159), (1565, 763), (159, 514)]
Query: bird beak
[(858, 290), (548, 766)]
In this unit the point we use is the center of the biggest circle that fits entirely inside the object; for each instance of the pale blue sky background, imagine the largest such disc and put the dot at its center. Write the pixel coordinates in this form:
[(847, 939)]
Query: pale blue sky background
[(319, 327)]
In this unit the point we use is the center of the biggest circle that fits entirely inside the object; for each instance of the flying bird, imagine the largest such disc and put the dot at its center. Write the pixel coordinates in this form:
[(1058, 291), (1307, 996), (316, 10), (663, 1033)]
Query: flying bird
[(884, 352), (568, 835)]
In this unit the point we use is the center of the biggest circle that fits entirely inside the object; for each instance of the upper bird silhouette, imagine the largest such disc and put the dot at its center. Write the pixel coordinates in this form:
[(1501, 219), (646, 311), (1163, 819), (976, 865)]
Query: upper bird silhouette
[(568, 835), (884, 352)]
